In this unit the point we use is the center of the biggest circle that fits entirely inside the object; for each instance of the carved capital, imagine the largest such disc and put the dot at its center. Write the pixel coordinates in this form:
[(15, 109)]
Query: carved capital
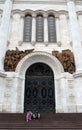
[(46, 43), (59, 44), (57, 16), (70, 43), (33, 15), (67, 17), (77, 17), (20, 43), (33, 43), (8, 42), (22, 15), (45, 15), (11, 16)]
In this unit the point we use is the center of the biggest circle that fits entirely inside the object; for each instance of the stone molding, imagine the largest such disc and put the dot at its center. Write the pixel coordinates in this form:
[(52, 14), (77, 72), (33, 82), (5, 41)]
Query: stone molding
[(70, 0), (65, 75), (59, 2), (37, 12), (2, 74), (42, 57), (63, 12), (44, 13), (16, 11), (79, 13), (77, 74)]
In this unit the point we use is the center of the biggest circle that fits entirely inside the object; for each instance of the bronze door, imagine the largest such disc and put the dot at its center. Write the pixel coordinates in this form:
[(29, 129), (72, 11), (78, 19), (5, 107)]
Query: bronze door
[(39, 89)]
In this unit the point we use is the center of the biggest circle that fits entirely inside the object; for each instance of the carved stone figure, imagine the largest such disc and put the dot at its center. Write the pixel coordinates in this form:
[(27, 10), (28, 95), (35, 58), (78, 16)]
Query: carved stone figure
[(67, 59), (12, 58)]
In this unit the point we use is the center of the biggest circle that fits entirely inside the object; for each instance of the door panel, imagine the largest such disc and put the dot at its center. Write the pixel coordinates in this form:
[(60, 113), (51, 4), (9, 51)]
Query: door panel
[(39, 91)]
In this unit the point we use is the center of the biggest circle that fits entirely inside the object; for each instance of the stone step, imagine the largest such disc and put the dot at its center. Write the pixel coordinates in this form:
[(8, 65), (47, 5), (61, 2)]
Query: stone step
[(48, 121)]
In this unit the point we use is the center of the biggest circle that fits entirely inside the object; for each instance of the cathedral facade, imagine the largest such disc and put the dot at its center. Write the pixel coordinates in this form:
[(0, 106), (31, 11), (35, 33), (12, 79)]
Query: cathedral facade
[(41, 56)]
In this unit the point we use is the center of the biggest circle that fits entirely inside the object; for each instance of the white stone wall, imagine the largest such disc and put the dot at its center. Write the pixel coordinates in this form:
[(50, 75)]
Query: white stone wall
[(16, 28), (16, 40), (15, 31), (68, 90), (65, 93), (64, 30), (2, 89)]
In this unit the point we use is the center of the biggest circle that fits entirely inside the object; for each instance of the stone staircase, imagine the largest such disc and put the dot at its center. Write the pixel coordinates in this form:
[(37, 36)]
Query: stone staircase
[(48, 121)]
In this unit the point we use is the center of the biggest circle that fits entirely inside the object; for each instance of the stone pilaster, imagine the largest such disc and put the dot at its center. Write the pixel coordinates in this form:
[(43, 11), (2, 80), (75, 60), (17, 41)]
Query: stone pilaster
[(45, 30), (58, 30), (77, 50), (33, 37), (4, 30), (21, 30), (76, 34)]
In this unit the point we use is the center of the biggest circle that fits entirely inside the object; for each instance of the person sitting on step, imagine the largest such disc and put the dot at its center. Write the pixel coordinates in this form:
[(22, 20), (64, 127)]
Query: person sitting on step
[(29, 116), (36, 115)]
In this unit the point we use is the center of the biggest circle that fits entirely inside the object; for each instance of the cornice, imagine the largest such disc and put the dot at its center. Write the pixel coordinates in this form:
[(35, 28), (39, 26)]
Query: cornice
[(22, 13), (42, 1), (36, 1)]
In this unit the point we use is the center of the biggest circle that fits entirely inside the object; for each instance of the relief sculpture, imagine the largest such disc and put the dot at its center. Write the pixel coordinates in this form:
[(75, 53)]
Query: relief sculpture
[(12, 58), (67, 59)]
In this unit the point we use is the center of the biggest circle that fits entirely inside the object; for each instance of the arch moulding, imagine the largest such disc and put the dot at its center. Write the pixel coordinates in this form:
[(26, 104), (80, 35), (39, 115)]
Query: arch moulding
[(25, 63), (42, 57)]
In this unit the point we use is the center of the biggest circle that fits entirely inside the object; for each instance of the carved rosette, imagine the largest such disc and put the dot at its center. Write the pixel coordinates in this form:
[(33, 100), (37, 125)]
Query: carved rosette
[(13, 57), (67, 60)]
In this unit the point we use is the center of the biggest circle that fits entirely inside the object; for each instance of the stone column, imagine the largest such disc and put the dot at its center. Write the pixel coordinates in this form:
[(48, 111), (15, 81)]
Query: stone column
[(21, 29), (0, 16), (76, 34), (77, 50), (58, 31), (4, 30), (79, 17), (65, 42), (33, 37), (45, 30)]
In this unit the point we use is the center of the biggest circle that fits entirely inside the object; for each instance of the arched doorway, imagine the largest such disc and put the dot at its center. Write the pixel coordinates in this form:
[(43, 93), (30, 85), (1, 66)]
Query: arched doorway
[(39, 88)]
